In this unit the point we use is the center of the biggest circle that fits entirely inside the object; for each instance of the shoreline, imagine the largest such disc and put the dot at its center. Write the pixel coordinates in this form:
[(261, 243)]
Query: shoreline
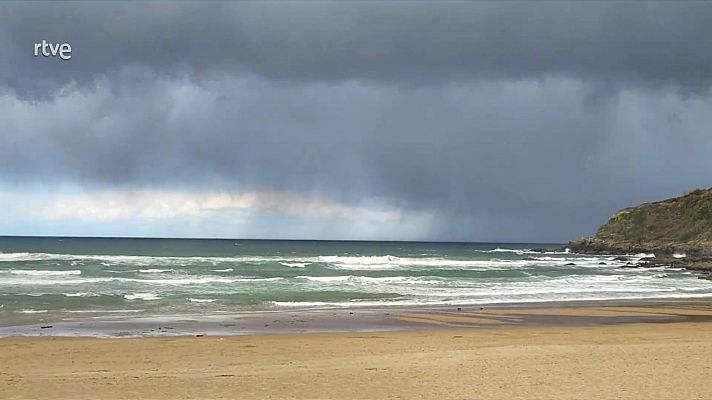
[(371, 319)]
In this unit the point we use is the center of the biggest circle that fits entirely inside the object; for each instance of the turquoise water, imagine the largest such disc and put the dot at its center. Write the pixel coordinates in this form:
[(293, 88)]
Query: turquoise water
[(81, 278)]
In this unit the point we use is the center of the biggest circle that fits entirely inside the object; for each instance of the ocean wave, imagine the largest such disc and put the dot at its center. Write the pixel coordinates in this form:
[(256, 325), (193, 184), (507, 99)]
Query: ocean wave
[(334, 261), (368, 279), (361, 260), (392, 262), (501, 250), (192, 300), (35, 272), (324, 278), (302, 303), (142, 296), (279, 278), (523, 251), (527, 276), (537, 287), (427, 302), (15, 256), (168, 282), (647, 269), (374, 262), (30, 311), (551, 292), (109, 260), (103, 311), (59, 281), (199, 280), (295, 264), (154, 271), (570, 259), (80, 294)]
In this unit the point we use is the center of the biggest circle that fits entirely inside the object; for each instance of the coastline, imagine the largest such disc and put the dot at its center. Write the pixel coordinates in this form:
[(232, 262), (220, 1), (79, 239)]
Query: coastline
[(627, 347), (128, 291), (648, 350)]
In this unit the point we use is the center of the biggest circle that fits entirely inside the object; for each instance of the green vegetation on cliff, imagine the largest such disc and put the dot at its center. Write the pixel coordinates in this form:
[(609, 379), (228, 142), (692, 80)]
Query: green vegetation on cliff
[(681, 224)]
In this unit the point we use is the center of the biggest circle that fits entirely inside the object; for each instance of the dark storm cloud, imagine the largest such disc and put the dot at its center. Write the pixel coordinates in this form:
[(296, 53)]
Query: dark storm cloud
[(399, 42), (554, 168), (505, 121)]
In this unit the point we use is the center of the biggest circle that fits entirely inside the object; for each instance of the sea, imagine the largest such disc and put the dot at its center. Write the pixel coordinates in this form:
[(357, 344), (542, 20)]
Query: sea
[(69, 279)]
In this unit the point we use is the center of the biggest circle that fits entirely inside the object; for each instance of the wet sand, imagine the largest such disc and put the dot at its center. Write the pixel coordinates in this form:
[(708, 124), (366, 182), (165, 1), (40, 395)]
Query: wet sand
[(659, 352), (372, 320)]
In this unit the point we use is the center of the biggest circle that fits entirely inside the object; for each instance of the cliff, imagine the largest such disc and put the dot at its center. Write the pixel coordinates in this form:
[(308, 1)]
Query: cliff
[(679, 225)]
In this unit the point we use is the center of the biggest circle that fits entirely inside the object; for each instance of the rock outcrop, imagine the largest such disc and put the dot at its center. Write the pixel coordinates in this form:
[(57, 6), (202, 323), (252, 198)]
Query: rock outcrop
[(680, 225)]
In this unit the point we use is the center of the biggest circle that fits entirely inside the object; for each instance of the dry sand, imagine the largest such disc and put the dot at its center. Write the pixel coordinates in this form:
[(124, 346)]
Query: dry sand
[(636, 361)]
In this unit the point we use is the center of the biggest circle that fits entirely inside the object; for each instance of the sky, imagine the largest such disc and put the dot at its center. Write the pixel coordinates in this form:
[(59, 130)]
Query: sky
[(448, 121)]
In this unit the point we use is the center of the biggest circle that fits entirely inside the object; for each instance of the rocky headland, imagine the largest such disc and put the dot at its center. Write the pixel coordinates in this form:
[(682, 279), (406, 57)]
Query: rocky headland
[(678, 231)]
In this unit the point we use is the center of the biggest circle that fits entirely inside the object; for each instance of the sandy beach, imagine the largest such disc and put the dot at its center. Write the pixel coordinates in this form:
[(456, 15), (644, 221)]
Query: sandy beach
[(656, 360)]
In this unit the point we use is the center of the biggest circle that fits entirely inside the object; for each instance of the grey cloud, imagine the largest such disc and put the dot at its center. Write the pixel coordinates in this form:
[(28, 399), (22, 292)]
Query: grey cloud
[(619, 44), (505, 121), (516, 161)]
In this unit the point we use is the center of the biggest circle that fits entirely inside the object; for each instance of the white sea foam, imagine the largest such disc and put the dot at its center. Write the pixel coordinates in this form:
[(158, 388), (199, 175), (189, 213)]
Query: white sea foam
[(30, 311), (195, 280), (35, 272), (479, 301), (358, 260), (108, 260), (679, 255), (275, 279), (362, 262), (324, 278), (152, 261), (200, 300), (333, 261), (523, 251), (295, 264), (14, 256), (541, 292), (59, 280), (568, 259), (303, 303), (527, 277), (418, 289), (369, 280), (199, 280), (647, 269), (391, 262), (142, 296), (154, 271), (501, 250), (103, 311)]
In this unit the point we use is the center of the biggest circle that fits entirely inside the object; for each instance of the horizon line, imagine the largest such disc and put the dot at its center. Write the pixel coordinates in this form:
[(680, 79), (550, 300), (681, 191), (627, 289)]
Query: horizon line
[(271, 239)]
